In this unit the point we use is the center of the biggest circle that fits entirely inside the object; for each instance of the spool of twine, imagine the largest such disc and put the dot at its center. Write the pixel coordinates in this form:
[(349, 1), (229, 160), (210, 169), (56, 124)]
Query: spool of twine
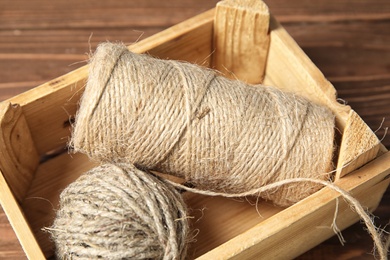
[(120, 212), (218, 134)]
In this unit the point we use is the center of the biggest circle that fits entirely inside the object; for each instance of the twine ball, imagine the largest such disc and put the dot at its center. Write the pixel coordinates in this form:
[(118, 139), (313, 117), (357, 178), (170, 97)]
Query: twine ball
[(120, 212), (218, 134)]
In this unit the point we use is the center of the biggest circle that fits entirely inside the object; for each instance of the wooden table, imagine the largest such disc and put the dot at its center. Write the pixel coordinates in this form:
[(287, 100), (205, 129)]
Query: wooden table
[(348, 40)]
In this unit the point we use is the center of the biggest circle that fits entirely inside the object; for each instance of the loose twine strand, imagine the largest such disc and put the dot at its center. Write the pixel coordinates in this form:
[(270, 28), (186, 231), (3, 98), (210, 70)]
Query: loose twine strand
[(161, 115), (381, 247)]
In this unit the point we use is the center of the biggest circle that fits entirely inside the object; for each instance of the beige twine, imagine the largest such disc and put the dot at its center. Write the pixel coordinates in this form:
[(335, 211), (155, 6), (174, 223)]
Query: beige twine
[(226, 138), (218, 134), (120, 212)]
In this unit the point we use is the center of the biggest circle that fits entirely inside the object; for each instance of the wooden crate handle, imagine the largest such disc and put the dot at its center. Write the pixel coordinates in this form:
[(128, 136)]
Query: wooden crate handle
[(19, 158), (241, 39)]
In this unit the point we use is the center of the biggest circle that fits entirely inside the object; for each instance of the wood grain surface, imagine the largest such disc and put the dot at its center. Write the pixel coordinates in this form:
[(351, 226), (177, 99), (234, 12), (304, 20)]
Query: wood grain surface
[(348, 40)]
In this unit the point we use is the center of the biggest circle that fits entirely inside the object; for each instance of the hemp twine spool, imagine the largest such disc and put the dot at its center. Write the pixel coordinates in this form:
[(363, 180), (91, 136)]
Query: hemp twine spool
[(120, 212), (218, 134)]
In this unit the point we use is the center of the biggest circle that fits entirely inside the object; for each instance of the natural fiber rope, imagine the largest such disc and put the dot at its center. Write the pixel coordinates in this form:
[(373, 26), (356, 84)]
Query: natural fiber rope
[(120, 212), (187, 121), (218, 134)]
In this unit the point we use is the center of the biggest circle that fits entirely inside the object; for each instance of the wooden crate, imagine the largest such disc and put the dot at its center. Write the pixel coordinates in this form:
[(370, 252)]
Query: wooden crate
[(35, 128)]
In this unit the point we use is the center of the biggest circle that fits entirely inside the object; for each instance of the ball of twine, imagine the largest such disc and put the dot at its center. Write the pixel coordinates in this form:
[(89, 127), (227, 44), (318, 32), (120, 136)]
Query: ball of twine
[(218, 134), (120, 212)]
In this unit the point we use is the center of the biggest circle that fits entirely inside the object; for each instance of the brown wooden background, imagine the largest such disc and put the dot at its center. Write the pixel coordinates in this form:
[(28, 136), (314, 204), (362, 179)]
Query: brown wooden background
[(348, 40)]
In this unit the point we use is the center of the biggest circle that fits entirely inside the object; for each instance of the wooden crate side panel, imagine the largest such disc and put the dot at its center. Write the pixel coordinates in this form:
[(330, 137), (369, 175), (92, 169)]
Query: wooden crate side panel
[(18, 155), (299, 221), (290, 69), (41, 202), (310, 231), (49, 108), (18, 222)]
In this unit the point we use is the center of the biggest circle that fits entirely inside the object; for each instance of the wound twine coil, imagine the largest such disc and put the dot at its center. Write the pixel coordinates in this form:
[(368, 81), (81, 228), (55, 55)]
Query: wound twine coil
[(120, 212), (217, 134), (120, 120)]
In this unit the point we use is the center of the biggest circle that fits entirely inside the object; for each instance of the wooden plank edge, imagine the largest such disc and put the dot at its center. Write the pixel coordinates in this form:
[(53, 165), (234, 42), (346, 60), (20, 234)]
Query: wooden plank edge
[(359, 145), (173, 32), (18, 222)]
